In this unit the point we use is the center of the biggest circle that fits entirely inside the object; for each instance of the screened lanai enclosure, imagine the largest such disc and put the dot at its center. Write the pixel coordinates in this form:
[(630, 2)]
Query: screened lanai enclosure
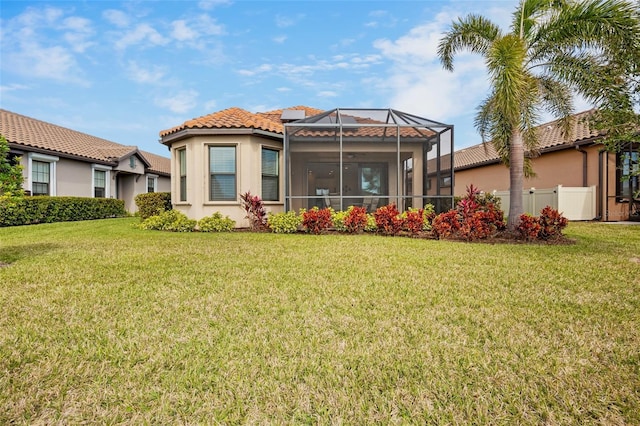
[(367, 157)]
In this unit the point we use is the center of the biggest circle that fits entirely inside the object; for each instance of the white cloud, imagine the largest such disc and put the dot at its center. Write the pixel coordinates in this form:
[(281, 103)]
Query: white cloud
[(280, 39), (78, 34), (261, 69), (141, 34), (117, 18), (153, 75), (287, 21), (210, 105), (55, 63), (210, 4), (13, 87), (182, 32), (193, 32), (179, 103), (327, 94)]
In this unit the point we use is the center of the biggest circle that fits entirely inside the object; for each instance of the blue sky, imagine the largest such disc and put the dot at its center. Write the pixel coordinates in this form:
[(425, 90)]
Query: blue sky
[(124, 71)]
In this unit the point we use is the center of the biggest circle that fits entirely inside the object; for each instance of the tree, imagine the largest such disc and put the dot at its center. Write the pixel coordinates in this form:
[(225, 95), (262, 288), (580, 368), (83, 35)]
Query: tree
[(10, 174), (554, 49)]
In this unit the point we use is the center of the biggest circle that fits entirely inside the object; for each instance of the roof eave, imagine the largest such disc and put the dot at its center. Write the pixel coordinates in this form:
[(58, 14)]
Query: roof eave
[(28, 148), (187, 133)]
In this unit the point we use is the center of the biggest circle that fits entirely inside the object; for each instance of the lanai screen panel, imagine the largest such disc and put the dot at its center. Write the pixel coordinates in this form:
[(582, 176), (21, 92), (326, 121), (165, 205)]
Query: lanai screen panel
[(367, 157)]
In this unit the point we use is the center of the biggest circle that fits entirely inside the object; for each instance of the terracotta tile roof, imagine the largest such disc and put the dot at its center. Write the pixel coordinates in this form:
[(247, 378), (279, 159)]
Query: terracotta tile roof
[(238, 118), (29, 132), (158, 163), (549, 134)]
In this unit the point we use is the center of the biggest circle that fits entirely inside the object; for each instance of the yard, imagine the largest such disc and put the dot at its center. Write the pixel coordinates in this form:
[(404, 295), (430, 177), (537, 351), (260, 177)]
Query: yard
[(104, 323)]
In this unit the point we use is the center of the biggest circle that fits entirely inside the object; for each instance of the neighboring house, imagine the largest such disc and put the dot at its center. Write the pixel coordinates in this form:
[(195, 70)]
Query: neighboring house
[(62, 162), (303, 157), (577, 161)]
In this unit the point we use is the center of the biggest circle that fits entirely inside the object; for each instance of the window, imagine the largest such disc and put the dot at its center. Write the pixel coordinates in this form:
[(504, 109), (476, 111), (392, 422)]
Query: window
[(40, 178), (222, 170), (152, 183), (182, 159), (628, 167), (270, 175), (99, 183), (41, 174)]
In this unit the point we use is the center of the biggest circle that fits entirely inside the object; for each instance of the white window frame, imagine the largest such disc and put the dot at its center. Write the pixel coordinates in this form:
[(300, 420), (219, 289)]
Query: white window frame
[(52, 160), (107, 179), (154, 179), (277, 175)]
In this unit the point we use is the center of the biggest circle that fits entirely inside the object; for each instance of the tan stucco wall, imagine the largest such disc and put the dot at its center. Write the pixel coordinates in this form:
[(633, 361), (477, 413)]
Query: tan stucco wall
[(164, 184), (248, 175), (74, 178)]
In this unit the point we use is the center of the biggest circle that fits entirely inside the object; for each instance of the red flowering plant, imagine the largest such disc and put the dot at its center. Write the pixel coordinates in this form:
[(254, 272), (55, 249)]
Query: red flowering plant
[(476, 216), (256, 213), (529, 227), (388, 219), (316, 220), (552, 222), (445, 224), (413, 221), (356, 219)]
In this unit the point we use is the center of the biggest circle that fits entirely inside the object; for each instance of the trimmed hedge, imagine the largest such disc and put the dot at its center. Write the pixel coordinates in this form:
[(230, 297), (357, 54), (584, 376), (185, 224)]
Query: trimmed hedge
[(45, 209), (153, 203)]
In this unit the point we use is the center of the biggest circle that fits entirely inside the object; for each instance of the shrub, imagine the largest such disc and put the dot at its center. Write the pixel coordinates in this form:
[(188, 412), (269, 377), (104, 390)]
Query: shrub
[(316, 220), (256, 213), (388, 219), (476, 216), (153, 203), (170, 220), (551, 223), (216, 223), (284, 223), (45, 209), (428, 213), (356, 219), (371, 225), (529, 227), (337, 220), (445, 224), (413, 221)]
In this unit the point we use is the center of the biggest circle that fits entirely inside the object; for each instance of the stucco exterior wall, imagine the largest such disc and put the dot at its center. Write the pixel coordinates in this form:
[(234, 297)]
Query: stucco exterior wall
[(74, 178), (248, 175)]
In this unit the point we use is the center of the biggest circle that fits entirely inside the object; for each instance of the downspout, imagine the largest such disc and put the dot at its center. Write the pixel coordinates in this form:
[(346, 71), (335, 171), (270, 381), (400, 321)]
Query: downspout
[(600, 184), (287, 177), (584, 165)]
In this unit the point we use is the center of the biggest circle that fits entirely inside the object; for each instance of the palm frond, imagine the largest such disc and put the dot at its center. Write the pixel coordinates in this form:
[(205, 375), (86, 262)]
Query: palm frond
[(473, 32)]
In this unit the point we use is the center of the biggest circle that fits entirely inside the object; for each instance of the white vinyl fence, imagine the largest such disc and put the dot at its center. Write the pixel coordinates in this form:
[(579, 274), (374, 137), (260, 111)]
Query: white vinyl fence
[(575, 203)]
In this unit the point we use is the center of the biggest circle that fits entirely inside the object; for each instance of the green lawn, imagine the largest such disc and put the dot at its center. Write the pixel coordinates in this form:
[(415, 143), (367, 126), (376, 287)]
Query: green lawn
[(104, 323)]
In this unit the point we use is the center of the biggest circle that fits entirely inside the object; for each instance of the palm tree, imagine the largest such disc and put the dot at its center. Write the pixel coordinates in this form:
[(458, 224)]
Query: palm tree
[(554, 48)]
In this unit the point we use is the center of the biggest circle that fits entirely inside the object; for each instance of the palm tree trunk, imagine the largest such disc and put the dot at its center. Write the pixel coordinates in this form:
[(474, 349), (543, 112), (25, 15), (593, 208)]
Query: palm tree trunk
[(516, 179)]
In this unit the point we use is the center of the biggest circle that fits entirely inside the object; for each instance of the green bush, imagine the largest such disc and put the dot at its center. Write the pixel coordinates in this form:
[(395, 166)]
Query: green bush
[(216, 223), (45, 209), (337, 220), (170, 220), (284, 223), (153, 203)]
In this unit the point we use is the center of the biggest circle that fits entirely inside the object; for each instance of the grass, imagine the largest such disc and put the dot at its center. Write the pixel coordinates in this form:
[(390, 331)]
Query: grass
[(104, 323)]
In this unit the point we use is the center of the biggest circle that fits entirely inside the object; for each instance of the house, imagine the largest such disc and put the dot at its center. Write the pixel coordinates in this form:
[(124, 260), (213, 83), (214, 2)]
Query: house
[(578, 160), (62, 162), (303, 157)]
